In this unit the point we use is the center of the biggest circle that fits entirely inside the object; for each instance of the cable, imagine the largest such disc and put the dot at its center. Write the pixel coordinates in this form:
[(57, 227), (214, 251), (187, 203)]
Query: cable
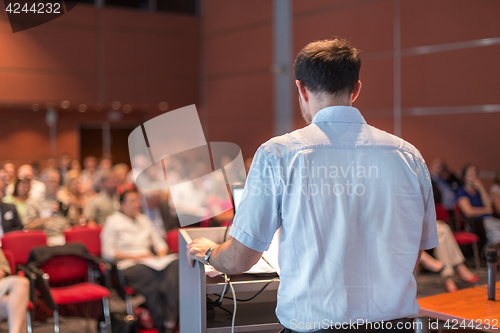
[(227, 228), (251, 298), (222, 308), (234, 302), (218, 303)]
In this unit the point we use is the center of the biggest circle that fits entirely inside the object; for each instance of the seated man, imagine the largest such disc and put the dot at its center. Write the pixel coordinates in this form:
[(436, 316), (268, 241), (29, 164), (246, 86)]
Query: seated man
[(48, 213), (127, 237), (14, 297), (105, 203), (9, 217)]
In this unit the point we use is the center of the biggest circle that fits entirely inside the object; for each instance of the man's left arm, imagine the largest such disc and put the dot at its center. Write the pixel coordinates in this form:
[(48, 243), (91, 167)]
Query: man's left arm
[(429, 238), (231, 257)]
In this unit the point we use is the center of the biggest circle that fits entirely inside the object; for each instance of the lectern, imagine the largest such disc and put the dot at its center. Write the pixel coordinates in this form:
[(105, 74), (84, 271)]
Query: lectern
[(257, 315)]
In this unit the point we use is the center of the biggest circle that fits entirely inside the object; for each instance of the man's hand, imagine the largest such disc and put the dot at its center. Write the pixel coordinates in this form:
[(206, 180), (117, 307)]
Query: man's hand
[(196, 250)]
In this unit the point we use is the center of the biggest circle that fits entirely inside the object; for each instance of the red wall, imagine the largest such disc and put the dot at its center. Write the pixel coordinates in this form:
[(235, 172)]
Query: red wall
[(92, 56), (239, 85), (237, 42)]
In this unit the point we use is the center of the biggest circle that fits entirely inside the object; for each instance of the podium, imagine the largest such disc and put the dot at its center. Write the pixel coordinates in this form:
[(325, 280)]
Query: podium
[(257, 315)]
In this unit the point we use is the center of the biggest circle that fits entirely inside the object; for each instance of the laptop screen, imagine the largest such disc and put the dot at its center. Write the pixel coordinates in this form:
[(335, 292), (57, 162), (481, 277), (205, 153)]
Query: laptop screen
[(237, 194)]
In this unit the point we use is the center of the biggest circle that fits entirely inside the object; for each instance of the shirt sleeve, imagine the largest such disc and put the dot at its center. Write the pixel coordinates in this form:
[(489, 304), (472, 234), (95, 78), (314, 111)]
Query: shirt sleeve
[(258, 215), (108, 240), (429, 239)]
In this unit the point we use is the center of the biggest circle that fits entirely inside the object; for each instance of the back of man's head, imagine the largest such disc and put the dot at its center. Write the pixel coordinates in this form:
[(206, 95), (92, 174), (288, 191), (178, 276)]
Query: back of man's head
[(328, 67)]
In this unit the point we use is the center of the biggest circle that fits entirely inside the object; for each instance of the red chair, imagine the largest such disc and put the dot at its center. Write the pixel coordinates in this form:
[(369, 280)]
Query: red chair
[(172, 239), (21, 243), (10, 258), (462, 237), (66, 269), (442, 213), (90, 237)]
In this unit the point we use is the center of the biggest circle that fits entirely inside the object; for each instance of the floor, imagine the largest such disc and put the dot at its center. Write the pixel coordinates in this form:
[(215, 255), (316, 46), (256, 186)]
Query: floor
[(428, 284)]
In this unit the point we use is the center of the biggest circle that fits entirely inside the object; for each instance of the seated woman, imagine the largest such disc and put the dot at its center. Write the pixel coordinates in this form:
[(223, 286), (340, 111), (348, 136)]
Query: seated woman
[(474, 202), (19, 196), (14, 297), (449, 259), (70, 195)]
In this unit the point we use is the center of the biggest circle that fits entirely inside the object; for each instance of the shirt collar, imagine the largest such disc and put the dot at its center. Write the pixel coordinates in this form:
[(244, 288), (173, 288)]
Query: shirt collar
[(338, 114)]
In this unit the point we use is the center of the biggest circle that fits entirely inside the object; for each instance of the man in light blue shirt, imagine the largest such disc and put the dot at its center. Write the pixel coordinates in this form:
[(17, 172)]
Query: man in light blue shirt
[(354, 204)]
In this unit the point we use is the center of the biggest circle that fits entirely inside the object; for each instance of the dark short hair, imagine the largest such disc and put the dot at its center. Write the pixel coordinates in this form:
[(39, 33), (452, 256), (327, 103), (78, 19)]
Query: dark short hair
[(123, 196), (328, 66)]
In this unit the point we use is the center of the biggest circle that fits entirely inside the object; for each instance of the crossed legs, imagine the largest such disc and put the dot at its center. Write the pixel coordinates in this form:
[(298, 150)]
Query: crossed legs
[(14, 303)]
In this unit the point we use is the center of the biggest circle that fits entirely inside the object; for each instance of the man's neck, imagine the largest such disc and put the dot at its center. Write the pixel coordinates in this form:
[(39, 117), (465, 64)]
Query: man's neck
[(325, 101), (132, 217)]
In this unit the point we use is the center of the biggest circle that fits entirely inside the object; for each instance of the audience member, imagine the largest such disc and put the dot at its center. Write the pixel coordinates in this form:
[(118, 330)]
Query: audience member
[(64, 165), (121, 171), (450, 259), (105, 164), (75, 165), (88, 174), (37, 188), (48, 213), (474, 202), (495, 194), (220, 205), (9, 217), (446, 183), (151, 208), (19, 197), (105, 203), (4, 177), (14, 297), (72, 198), (10, 169), (127, 237), (36, 169)]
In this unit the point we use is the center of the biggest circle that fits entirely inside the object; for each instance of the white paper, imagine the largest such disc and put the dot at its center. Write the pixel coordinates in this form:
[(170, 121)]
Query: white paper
[(158, 263)]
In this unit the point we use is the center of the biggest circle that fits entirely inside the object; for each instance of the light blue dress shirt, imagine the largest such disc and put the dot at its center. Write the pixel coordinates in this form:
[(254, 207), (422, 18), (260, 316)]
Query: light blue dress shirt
[(355, 205)]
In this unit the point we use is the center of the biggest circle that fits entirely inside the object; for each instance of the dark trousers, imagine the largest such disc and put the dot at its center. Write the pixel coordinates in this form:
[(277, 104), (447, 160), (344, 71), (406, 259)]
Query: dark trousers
[(160, 288), (369, 328)]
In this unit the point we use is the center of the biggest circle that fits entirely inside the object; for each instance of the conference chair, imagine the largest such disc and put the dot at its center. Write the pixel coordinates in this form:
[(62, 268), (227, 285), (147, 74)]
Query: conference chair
[(172, 239), (462, 237), (66, 269), (21, 242), (90, 237)]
